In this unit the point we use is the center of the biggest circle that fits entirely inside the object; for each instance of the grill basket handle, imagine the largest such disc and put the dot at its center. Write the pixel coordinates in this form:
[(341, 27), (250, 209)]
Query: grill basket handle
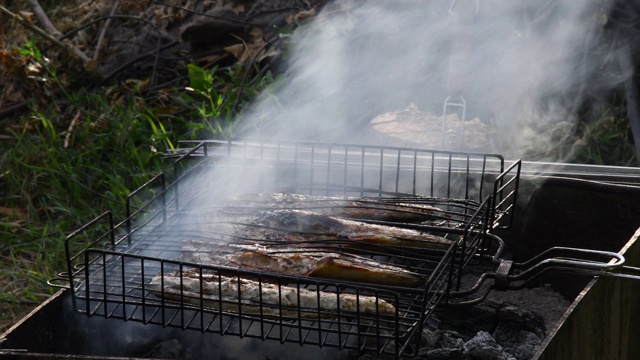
[(571, 260)]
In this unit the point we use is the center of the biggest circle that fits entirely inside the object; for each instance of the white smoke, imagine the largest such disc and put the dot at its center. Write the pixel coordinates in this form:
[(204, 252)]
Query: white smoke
[(530, 63)]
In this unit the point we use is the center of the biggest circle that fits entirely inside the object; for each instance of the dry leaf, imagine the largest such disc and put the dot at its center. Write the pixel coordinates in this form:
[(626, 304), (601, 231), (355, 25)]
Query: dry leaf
[(305, 14), (14, 212), (292, 19), (213, 59), (236, 50), (26, 16), (137, 84)]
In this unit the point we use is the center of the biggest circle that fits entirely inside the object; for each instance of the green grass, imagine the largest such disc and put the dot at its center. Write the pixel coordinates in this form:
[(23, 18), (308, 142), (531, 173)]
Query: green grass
[(56, 188), (80, 153), (608, 141)]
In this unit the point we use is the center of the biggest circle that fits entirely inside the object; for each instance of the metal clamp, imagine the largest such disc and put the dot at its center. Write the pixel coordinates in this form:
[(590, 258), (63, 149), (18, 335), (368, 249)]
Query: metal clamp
[(502, 274)]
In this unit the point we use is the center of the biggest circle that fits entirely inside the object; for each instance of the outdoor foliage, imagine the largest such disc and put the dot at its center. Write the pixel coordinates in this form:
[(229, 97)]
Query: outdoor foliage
[(66, 161)]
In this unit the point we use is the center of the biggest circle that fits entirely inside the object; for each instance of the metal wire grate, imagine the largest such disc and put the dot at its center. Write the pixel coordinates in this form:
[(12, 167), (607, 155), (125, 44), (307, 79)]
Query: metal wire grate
[(124, 273)]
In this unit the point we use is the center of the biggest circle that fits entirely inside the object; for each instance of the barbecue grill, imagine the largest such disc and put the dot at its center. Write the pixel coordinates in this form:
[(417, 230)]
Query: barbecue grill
[(108, 271), (111, 275)]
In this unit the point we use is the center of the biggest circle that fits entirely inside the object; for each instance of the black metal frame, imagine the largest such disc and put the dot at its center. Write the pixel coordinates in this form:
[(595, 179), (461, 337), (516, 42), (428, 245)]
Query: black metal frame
[(110, 276)]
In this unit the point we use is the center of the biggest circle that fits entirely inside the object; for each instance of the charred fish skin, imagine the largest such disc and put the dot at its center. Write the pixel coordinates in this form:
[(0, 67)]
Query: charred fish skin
[(238, 295), (326, 265), (307, 229), (368, 208), (309, 224), (302, 221)]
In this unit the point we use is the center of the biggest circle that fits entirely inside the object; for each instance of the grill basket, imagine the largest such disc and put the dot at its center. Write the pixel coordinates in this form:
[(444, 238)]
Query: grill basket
[(111, 273)]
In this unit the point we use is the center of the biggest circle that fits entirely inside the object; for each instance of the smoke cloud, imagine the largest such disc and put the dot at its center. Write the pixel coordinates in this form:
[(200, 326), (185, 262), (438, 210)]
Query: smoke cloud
[(525, 67)]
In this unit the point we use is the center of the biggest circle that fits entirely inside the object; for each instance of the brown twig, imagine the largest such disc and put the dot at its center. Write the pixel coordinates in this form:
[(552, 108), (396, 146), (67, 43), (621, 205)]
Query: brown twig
[(246, 74), (44, 19), (103, 31), (74, 122)]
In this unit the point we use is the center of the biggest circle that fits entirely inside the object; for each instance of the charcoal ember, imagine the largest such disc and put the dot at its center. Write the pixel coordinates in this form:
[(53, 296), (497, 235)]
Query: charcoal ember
[(542, 300), (518, 318), (443, 354), (519, 331), (442, 344), (522, 344), (469, 320), (484, 347), (170, 349), (516, 322), (442, 339)]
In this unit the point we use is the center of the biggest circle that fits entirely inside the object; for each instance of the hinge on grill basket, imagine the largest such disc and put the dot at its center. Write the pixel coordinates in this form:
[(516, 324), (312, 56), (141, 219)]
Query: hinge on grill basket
[(502, 274)]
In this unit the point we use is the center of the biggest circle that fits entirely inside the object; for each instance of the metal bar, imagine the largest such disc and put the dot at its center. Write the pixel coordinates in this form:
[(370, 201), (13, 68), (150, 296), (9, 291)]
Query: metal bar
[(449, 176), (71, 258), (362, 174), (143, 294), (381, 169), (134, 193), (415, 165), (432, 173), (498, 192), (398, 170), (176, 171), (328, 170)]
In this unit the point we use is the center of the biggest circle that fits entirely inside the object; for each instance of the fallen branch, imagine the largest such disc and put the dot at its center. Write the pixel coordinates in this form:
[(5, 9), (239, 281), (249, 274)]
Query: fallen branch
[(246, 74), (44, 19), (103, 31), (88, 63), (34, 28)]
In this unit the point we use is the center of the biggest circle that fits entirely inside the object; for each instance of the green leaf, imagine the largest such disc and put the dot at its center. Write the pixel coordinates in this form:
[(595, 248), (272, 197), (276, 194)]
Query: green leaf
[(199, 79)]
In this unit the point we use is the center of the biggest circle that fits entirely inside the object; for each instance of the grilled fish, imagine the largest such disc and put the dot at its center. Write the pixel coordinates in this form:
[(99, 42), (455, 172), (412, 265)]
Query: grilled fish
[(233, 294), (304, 226), (320, 264), (387, 209)]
